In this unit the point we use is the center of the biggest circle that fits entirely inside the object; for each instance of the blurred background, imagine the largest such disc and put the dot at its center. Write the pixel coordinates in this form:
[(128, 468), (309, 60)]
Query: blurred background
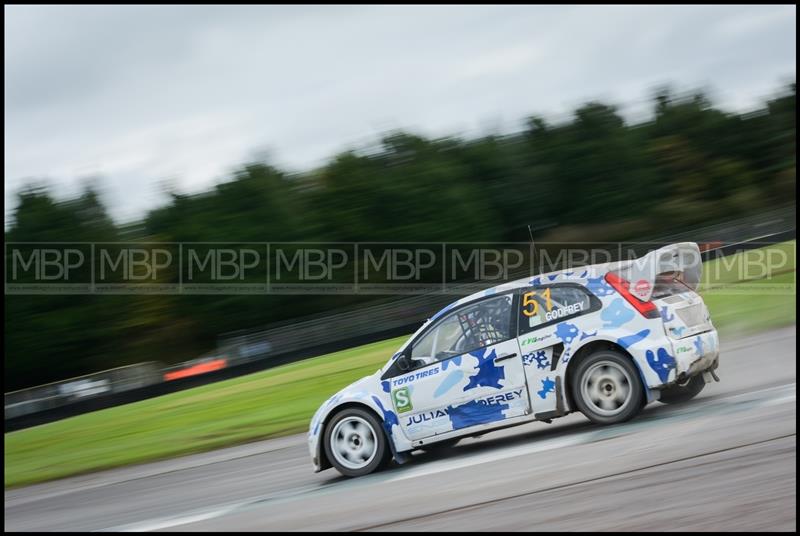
[(159, 126), (369, 123)]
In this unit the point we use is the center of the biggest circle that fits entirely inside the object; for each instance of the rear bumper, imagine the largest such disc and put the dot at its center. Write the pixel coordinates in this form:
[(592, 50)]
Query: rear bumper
[(707, 362), (696, 354)]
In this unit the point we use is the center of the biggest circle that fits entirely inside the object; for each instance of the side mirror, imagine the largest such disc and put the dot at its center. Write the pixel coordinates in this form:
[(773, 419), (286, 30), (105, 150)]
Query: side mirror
[(404, 363)]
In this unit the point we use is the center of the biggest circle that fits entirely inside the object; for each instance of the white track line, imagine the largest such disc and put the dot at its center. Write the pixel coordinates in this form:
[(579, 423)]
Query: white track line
[(782, 394), (166, 523), (495, 455), (145, 470)]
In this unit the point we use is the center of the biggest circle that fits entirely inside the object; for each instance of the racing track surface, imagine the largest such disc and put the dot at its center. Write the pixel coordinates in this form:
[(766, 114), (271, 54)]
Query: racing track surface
[(725, 461)]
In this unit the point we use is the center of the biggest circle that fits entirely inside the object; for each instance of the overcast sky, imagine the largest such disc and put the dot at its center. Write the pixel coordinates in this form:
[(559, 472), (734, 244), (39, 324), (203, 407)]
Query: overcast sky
[(141, 96)]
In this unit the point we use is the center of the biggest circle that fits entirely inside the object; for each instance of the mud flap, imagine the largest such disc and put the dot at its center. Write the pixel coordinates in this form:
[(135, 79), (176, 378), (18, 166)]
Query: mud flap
[(709, 376), (399, 457)]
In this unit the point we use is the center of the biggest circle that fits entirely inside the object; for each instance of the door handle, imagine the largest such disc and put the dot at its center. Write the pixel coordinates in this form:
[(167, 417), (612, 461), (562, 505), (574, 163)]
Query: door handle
[(502, 357)]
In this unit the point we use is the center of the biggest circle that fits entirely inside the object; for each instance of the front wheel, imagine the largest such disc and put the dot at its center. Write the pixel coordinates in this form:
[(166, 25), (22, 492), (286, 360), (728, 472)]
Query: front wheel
[(607, 388), (675, 394), (355, 443)]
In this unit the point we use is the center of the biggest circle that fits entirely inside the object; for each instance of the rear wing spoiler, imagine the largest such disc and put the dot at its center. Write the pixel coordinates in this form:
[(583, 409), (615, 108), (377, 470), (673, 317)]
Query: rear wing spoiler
[(682, 257)]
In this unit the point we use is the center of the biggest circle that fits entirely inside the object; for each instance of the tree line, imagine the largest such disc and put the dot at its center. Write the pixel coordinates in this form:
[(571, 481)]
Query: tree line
[(591, 177)]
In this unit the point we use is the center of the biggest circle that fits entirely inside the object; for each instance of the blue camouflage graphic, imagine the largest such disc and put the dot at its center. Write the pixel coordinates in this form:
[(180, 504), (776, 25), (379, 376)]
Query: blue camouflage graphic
[(566, 332), (630, 340), (548, 386), (586, 335), (448, 383), (599, 287), (661, 362), (474, 412), (456, 361), (616, 314), (488, 373), (665, 314), (331, 402), (385, 386), (698, 345), (540, 356), (389, 416)]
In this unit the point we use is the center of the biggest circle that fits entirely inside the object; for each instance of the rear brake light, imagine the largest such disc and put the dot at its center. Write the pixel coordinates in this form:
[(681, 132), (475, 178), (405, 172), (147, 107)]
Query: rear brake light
[(647, 309)]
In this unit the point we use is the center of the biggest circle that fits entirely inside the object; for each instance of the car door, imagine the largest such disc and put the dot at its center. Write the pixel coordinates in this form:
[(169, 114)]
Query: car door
[(548, 323), (469, 371)]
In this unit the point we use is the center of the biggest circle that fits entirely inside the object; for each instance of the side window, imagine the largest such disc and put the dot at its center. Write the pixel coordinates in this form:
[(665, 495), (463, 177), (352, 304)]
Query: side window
[(543, 306), (469, 328), (439, 340)]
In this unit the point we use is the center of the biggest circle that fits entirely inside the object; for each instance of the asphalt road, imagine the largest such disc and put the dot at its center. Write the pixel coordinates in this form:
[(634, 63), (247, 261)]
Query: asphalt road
[(725, 461)]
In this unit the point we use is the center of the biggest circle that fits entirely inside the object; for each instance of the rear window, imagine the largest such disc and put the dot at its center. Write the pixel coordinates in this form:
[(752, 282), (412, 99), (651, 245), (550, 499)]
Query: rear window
[(669, 284)]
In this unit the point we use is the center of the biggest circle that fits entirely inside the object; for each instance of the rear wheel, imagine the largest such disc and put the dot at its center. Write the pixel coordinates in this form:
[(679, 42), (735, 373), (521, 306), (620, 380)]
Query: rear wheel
[(355, 443), (675, 394), (607, 388)]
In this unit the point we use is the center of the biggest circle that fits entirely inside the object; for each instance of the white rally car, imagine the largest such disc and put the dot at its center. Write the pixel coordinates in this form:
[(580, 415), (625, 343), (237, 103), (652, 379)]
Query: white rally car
[(604, 340)]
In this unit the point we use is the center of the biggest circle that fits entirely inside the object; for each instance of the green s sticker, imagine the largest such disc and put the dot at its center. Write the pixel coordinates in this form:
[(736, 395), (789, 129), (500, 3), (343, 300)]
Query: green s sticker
[(402, 400)]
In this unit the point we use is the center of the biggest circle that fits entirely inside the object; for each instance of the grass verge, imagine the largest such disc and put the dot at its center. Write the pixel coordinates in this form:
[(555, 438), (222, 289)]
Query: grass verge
[(281, 401)]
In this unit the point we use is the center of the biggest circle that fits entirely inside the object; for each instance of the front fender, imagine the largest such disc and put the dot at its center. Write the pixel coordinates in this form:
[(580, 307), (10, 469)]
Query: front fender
[(368, 392)]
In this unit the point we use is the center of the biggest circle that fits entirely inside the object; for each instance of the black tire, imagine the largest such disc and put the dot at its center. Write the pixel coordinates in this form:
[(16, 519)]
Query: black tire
[(440, 446), (600, 380), (356, 416), (676, 394)]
